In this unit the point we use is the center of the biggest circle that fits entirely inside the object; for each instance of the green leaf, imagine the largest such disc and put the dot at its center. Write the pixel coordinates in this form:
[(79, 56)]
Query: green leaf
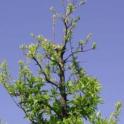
[(94, 45)]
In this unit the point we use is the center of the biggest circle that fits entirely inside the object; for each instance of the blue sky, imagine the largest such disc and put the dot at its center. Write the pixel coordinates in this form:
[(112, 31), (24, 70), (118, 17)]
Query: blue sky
[(105, 19)]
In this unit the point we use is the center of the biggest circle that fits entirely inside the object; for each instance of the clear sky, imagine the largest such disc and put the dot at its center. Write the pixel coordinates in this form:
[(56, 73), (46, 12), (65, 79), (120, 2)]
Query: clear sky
[(104, 18)]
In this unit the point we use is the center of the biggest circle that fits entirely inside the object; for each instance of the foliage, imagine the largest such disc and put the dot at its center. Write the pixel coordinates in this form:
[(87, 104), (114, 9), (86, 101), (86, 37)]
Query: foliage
[(61, 92)]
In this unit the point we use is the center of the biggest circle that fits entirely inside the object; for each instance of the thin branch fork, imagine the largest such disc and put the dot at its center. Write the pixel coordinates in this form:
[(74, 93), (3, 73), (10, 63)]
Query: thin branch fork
[(75, 52)]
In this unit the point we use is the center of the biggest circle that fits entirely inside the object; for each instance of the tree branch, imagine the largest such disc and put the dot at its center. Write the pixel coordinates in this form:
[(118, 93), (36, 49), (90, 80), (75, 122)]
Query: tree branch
[(79, 51), (66, 30), (47, 79)]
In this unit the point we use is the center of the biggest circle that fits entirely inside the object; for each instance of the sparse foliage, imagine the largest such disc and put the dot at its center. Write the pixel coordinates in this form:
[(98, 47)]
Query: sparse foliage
[(61, 92)]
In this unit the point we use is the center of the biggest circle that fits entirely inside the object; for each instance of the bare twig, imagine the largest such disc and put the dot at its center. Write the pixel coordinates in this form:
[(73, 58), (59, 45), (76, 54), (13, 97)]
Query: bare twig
[(79, 51)]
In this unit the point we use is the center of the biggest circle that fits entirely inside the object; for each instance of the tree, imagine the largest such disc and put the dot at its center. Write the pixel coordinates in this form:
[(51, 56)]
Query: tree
[(61, 92)]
